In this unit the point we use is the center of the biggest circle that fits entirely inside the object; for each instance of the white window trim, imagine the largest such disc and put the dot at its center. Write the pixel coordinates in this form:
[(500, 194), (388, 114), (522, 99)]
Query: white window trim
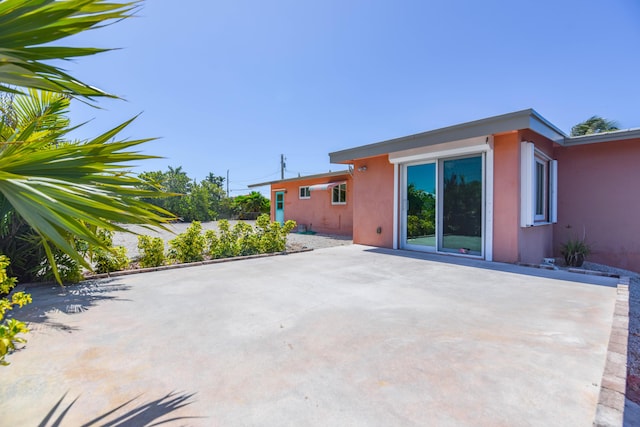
[(300, 192), (471, 146), (545, 189), (553, 191), (449, 149), (396, 207), (345, 194), (529, 156)]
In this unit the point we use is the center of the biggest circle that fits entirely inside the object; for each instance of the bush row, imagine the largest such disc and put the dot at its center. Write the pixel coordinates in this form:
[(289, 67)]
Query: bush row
[(193, 245)]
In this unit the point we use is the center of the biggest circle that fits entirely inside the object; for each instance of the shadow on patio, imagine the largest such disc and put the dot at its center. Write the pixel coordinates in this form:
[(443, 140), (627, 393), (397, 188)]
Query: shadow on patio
[(70, 299), (499, 266), (146, 414)]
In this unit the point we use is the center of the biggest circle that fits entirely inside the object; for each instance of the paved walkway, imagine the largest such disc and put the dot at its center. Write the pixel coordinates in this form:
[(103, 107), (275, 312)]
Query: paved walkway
[(349, 336)]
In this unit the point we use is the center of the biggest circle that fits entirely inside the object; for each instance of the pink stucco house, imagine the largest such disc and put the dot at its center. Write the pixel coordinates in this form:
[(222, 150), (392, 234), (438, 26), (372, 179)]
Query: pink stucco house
[(508, 188), (322, 203)]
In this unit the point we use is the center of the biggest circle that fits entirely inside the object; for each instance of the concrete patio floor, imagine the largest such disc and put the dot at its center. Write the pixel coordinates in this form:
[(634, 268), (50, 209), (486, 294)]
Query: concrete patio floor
[(349, 336)]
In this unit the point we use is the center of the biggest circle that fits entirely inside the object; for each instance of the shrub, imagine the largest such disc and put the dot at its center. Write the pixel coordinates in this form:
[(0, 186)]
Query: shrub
[(427, 226), (418, 226), (107, 261), (111, 259), (272, 235), (188, 246), (211, 243), (575, 251), (11, 328), (31, 264), (413, 226), (151, 251), (227, 244), (247, 240), (69, 269)]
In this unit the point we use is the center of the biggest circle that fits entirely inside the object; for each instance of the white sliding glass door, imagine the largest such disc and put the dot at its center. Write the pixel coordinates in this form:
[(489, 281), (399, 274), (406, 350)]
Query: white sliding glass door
[(444, 205)]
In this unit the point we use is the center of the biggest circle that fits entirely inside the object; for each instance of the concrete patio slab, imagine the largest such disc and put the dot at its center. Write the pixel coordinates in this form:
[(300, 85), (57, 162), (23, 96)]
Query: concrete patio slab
[(350, 336)]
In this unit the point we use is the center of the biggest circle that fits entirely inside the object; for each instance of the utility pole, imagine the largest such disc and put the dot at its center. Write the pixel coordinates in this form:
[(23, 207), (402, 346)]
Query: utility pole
[(282, 166), (227, 183)]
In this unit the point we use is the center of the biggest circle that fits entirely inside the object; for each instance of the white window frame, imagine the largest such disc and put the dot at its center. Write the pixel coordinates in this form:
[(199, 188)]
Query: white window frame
[(402, 159), (306, 191), (530, 159), (541, 192), (337, 190)]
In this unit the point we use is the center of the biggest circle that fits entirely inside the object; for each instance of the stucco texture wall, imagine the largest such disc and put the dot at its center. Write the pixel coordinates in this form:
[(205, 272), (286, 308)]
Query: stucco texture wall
[(317, 212), (535, 243), (599, 195), (373, 202), (512, 243), (506, 197)]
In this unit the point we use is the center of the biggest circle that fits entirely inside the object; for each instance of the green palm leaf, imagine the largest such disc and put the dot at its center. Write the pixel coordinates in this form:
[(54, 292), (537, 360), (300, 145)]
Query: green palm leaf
[(62, 190), (70, 189), (27, 25)]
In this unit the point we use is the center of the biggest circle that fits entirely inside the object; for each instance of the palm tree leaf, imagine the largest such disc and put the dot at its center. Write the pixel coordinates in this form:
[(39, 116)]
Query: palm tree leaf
[(27, 25), (72, 189), (47, 53)]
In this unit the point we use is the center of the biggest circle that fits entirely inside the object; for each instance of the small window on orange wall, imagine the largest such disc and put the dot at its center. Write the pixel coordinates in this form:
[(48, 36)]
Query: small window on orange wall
[(304, 193), (339, 195)]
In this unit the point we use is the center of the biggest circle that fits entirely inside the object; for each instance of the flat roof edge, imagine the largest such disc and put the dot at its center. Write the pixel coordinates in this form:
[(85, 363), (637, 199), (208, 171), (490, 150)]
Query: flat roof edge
[(594, 138), (298, 178), (523, 119)]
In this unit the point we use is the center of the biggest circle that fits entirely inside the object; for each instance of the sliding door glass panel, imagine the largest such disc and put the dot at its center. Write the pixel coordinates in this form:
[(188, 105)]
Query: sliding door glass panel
[(461, 230), (421, 209)]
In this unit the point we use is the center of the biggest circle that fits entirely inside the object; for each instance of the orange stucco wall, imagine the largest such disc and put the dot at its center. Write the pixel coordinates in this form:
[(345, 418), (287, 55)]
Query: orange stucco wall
[(512, 243), (506, 196), (598, 195), (535, 243), (317, 212), (373, 202)]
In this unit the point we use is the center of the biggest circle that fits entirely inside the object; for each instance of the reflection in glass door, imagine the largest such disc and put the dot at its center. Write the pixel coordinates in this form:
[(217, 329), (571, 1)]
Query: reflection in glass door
[(421, 206), (461, 206)]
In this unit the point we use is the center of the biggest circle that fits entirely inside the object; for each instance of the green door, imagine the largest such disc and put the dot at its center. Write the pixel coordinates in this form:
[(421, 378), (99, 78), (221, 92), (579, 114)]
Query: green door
[(280, 207)]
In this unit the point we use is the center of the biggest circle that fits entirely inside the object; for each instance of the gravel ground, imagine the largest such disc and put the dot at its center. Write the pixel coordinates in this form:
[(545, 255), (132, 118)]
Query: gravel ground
[(633, 359), (633, 354), (294, 240)]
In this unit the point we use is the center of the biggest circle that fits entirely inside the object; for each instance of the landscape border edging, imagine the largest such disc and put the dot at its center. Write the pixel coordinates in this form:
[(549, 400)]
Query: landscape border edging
[(190, 264), (611, 399)]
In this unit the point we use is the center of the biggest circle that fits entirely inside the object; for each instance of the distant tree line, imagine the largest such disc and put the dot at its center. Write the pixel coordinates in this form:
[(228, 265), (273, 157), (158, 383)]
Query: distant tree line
[(206, 200)]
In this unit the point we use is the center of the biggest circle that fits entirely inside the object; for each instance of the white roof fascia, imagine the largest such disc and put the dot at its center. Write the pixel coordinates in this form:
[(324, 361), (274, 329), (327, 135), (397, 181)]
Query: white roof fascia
[(594, 138), (542, 126), (452, 148), (524, 119)]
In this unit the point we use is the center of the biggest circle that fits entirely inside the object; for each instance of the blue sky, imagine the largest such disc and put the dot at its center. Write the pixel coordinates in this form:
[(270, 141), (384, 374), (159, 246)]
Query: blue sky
[(234, 84)]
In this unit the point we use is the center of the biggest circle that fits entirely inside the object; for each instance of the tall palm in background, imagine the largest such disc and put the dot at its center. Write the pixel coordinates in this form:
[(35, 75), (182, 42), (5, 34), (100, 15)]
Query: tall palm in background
[(63, 190), (594, 124)]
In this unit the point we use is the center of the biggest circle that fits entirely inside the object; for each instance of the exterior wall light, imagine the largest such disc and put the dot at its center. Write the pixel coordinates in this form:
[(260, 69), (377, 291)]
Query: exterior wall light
[(362, 168)]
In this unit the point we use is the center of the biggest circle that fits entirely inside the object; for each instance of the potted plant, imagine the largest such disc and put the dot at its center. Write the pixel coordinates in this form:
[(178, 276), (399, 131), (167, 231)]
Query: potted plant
[(575, 251)]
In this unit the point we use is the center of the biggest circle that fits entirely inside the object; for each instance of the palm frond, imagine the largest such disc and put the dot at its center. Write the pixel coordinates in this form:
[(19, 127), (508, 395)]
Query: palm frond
[(25, 26), (74, 188)]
